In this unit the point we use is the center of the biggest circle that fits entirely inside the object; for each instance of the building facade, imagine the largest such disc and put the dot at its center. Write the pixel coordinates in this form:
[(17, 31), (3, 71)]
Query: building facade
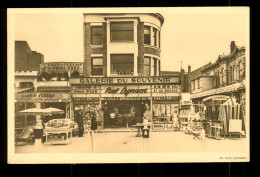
[(224, 77), (122, 60), (25, 58)]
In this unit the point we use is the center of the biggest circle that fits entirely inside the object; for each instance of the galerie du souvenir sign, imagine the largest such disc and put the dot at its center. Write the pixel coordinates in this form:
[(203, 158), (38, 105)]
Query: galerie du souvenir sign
[(126, 80)]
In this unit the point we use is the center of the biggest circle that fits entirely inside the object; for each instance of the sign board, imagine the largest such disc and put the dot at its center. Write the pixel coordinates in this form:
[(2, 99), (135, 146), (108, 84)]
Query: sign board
[(61, 67), (216, 97), (125, 80), (235, 125)]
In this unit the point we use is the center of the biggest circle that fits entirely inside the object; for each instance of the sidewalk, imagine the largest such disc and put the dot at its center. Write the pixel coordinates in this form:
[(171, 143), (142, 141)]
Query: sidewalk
[(127, 142)]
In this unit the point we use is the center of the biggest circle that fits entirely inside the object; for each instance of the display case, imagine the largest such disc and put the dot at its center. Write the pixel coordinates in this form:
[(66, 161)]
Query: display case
[(59, 131)]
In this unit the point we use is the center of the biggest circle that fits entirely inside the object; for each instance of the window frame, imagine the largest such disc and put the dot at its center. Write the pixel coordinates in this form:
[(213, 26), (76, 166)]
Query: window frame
[(111, 63), (149, 65), (97, 66), (100, 35), (149, 28), (154, 36), (114, 22)]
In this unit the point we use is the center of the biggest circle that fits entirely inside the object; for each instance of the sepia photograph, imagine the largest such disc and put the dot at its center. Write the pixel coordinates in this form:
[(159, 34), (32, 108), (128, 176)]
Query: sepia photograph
[(128, 85)]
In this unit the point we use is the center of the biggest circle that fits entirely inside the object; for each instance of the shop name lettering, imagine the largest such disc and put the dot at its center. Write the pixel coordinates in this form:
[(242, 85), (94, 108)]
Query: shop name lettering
[(125, 72), (124, 80), (125, 90), (38, 95)]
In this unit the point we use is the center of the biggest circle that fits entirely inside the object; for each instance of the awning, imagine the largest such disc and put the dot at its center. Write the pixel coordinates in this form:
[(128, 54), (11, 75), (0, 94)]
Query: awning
[(220, 90), (216, 97), (43, 97)]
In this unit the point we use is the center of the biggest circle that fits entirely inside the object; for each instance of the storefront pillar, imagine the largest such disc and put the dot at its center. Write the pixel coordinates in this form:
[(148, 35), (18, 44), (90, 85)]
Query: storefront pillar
[(71, 110)]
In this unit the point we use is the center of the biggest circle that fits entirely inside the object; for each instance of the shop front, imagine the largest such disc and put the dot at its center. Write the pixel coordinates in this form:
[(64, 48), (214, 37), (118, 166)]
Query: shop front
[(130, 99), (60, 100)]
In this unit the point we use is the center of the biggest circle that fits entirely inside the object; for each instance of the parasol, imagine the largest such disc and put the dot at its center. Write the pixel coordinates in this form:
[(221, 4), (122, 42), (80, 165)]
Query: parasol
[(35, 111), (52, 110)]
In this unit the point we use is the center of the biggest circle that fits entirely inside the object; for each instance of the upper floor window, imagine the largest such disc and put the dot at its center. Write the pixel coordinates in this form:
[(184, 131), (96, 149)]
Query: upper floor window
[(122, 31), (147, 61), (154, 67), (97, 66), (96, 35), (147, 37), (154, 36), (122, 63), (198, 83)]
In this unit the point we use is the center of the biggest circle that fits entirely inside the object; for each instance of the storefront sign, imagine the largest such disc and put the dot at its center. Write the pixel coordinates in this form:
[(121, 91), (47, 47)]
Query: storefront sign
[(186, 102), (125, 98), (165, 89), (85, 99), (61, 67), (173, 98), (129, 80), (85, 89), (216, 97), (125, 90), (125, 72), (41, 95)]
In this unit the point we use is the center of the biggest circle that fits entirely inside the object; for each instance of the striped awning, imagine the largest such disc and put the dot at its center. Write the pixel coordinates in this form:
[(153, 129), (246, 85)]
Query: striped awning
[(42, 97)]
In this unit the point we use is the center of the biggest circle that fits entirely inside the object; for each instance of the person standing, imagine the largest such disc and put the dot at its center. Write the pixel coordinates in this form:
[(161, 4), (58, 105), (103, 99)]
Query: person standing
[(79, 121), (112, 118), (94, 122)]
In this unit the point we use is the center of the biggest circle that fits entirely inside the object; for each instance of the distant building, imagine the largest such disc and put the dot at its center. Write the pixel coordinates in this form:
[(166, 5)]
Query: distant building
[(25, 58), (60, 67), (224, 77)]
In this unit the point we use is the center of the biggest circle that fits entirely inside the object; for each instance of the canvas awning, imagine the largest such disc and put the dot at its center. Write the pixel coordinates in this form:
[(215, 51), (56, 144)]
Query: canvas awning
[(43, 97)]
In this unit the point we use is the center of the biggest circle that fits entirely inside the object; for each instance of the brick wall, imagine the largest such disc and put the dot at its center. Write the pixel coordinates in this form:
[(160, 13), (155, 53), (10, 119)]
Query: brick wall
[(152, 51), (140, 40), (88, 50)]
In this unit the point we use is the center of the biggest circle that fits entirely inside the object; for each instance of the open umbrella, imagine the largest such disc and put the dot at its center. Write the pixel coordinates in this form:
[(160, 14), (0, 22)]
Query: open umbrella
[(35, 111), (52, 110)]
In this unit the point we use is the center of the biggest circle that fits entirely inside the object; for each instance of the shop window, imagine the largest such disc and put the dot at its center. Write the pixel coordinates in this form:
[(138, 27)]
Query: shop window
[(25, 84), (123, 63), (97, 66), (147, 65), (96, 35), (154, 37), (147, 37), (122, 31)]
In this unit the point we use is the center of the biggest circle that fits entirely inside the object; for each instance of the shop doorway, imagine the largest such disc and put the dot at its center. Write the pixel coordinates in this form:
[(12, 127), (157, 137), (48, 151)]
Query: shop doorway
[(127, 113)]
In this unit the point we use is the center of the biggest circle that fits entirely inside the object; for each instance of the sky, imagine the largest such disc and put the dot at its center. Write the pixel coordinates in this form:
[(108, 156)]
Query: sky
[(193, 38)]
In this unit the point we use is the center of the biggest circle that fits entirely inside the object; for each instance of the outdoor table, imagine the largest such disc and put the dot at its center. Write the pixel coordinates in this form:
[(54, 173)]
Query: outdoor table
[(139, 127), (58, 132)]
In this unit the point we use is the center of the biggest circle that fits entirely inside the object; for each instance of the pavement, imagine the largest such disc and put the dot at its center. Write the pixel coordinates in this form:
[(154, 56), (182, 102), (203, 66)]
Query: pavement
[(127, 142)]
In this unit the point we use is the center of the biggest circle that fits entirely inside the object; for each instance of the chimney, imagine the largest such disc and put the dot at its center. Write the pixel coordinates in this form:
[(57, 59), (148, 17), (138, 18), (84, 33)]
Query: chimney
[(232, 46), (189, 69)]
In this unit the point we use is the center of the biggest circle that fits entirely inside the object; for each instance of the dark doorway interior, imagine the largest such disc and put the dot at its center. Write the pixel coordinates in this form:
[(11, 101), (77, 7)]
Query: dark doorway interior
[(127, 112)]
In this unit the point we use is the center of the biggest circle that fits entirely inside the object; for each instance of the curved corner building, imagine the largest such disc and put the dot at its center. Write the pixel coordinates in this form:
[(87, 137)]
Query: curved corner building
[(122, 69)]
